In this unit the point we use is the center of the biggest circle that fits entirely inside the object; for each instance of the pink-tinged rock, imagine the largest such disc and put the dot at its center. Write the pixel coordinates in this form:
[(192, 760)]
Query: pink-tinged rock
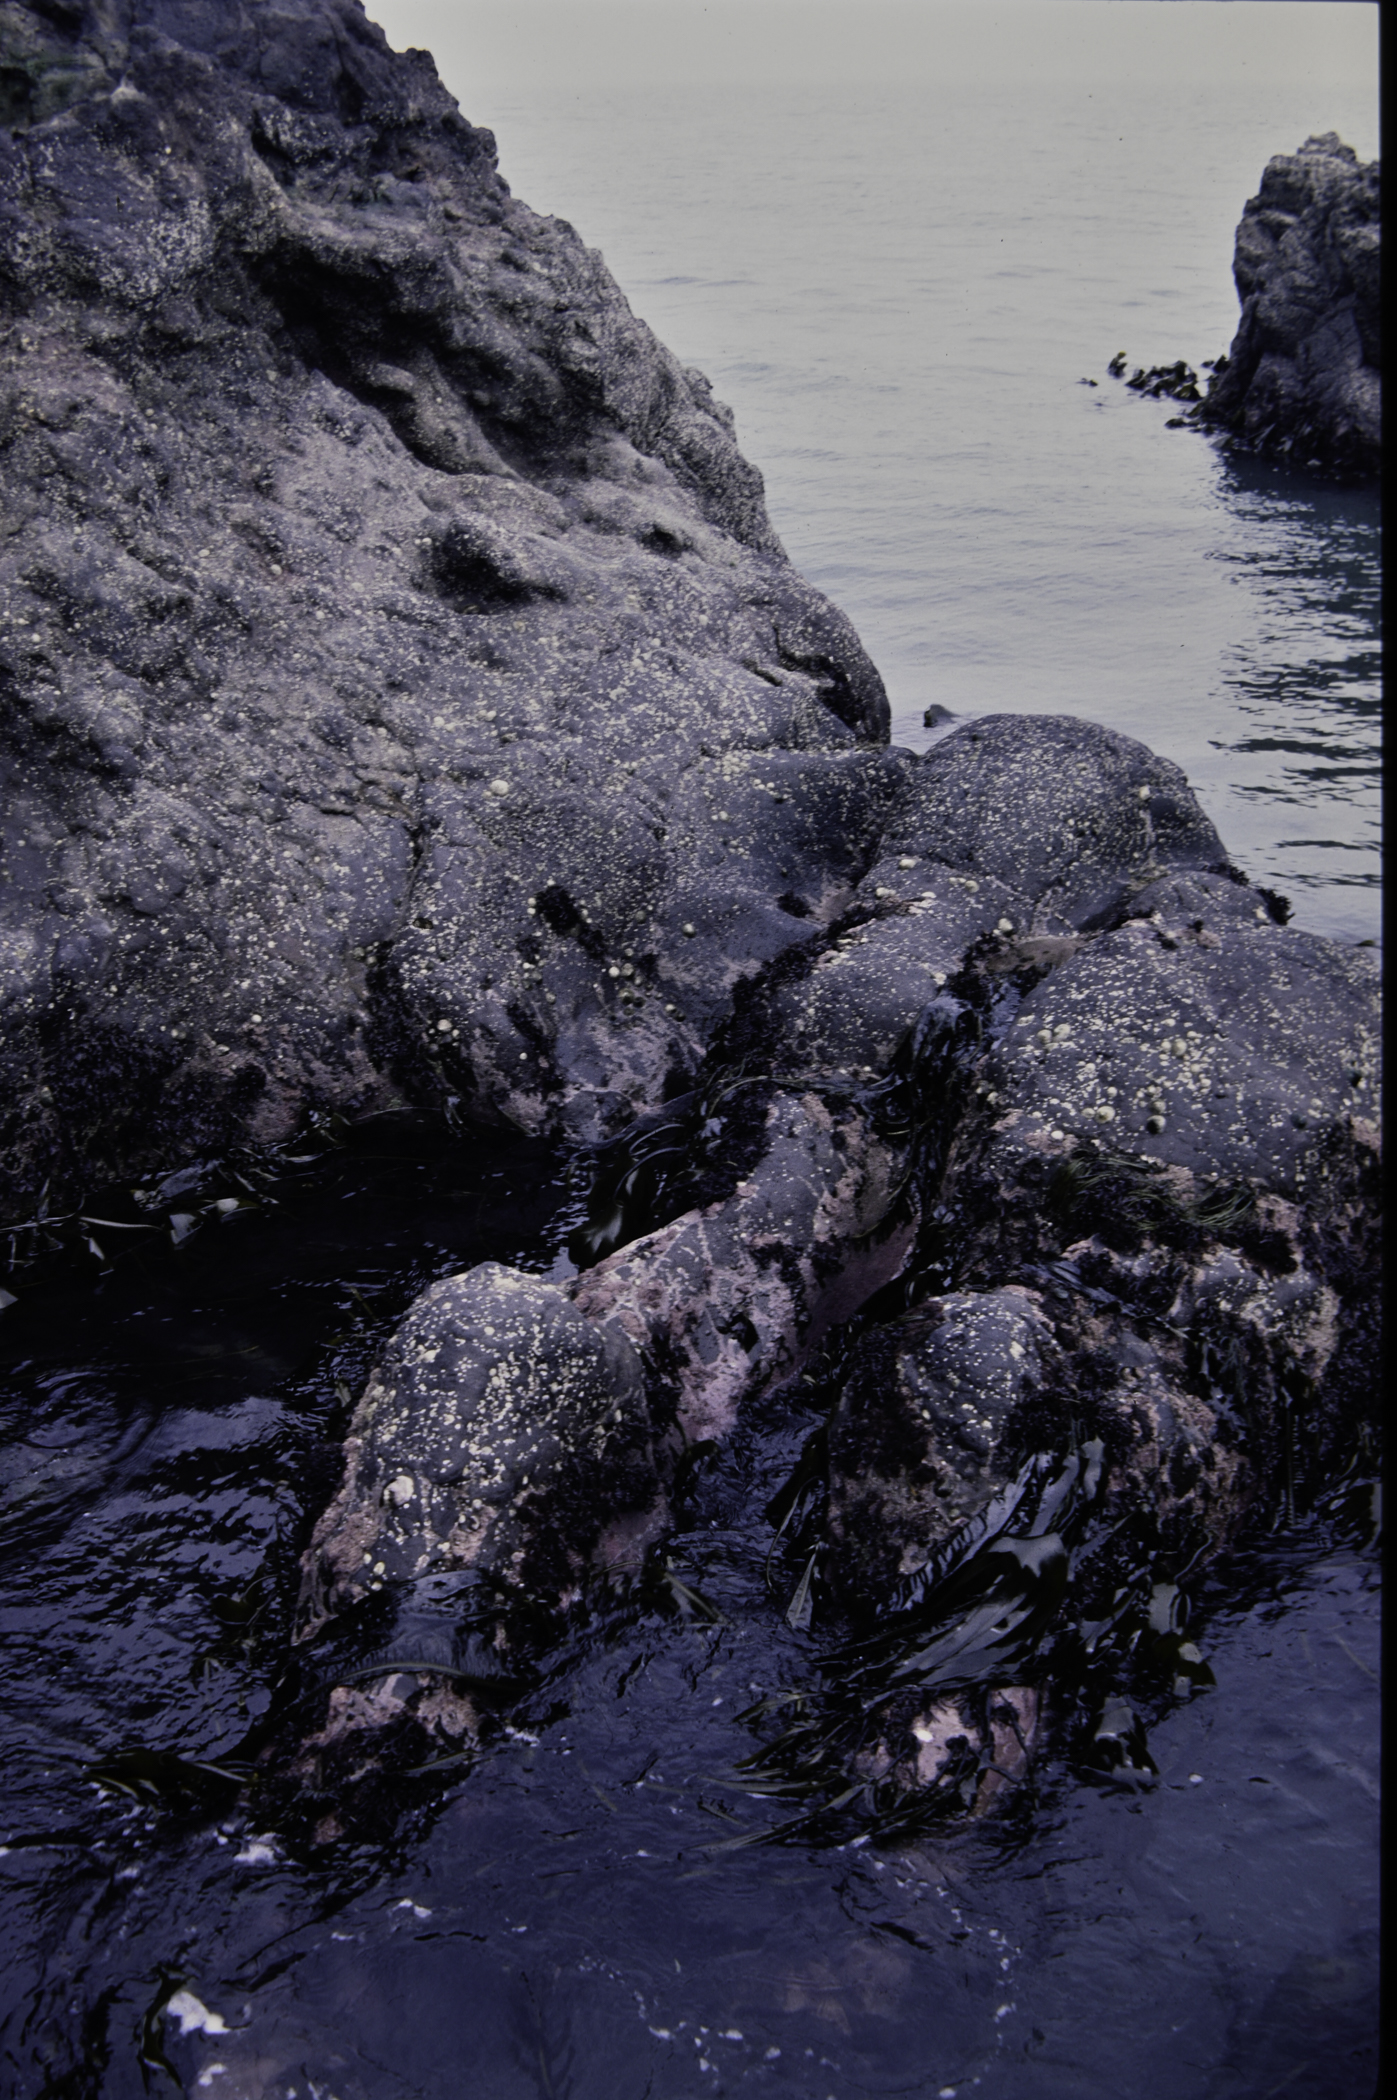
[(726, 1301)]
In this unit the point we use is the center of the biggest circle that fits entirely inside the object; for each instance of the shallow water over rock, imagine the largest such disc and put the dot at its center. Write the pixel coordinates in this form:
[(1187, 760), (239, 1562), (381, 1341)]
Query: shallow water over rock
[(580, 1910)]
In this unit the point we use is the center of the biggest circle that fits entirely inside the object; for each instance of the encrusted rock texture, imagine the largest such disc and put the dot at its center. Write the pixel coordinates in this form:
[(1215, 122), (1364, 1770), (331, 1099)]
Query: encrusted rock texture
[(1158, 1200), (405, 698), (1120, 1161), (404, 692), (502, 1429), (1303, 379)]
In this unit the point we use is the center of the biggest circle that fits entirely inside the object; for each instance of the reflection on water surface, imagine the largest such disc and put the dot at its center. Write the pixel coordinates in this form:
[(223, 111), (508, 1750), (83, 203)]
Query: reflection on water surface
[(1297, 786)]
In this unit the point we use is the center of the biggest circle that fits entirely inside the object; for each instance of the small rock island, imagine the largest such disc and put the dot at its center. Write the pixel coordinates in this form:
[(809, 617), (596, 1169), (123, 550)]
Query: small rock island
[(1302, 382)]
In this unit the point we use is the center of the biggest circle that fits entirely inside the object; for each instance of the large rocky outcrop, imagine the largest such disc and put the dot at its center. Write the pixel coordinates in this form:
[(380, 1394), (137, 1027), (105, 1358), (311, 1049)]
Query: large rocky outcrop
[(1103, 1162), (404, 694), (1303, 379), (403, 689)]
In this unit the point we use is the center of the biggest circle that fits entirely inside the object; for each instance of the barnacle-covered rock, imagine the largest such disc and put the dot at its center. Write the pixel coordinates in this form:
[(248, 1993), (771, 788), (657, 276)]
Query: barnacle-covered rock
[(1071, 816), (1008, 838), (964, 1747), (860, 994), (501, 1431), (1200, 1038)]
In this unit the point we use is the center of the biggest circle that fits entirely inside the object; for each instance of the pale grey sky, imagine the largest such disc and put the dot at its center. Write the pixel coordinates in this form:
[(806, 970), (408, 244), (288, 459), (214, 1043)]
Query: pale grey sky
[(491, 51)]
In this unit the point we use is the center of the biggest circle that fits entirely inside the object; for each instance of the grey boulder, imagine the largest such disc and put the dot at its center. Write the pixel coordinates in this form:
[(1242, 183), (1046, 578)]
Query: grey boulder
[(1199, 1035), (405, 695), (1069, 815)]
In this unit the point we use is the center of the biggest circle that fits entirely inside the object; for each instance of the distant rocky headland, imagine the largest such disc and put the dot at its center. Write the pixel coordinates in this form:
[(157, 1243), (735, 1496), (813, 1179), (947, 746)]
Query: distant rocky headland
[(406, 700), (1302, 381)]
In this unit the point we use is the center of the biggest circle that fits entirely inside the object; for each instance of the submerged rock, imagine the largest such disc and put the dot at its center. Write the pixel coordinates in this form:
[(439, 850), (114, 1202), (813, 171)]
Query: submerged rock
[(1303, 379)]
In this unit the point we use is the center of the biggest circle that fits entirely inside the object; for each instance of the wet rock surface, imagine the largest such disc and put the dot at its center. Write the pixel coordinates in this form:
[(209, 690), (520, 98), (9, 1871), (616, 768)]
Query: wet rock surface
[(724, 1302), (1008, 837), (1199, 1034), (728, 1302), (1164, 1184), (1083, 1260), (930, 1403), (502, 1431)]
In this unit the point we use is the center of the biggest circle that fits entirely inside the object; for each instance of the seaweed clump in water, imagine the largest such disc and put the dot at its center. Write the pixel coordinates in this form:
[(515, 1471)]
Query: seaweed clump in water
[(925, 1718)]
